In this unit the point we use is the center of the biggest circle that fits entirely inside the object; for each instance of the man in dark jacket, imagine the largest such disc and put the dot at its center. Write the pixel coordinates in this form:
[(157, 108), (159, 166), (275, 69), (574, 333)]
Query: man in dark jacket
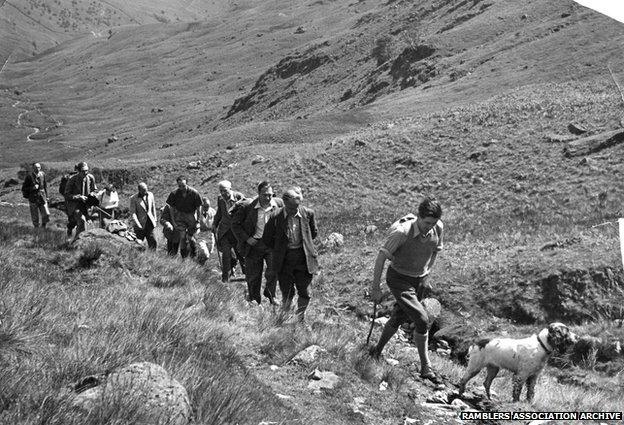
[(226, 241), (80, 190), (186, 203), (35, 189), (289, 233), (248, 220)]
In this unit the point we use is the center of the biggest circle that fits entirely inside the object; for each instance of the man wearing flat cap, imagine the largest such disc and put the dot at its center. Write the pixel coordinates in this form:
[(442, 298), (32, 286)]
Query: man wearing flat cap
[(289, 232)]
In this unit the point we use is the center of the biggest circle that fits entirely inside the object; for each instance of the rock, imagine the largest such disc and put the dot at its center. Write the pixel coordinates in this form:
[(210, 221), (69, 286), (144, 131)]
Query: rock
[(315, 375), (258, 159), (146, 389), (112, 139), (410, 421), (371, 229), (193, 165), (383, 386), (308, 355), (459, 404), (333, 241), (381, 321), (478, 180), (392, 362), (283, 396), (300, 30), (11, 182), (558, 138), (576, 129), (109, 242), (438, 397), (359, 143), (274, 367), (328, 381)]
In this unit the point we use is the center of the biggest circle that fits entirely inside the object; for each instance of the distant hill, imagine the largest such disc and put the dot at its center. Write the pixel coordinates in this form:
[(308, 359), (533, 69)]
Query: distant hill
[(29, 27)]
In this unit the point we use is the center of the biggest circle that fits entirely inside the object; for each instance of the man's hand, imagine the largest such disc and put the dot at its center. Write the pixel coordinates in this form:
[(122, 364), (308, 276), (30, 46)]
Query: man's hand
[(168, 226), (375, 294), (83, 198), (424, 289), (252, 241)]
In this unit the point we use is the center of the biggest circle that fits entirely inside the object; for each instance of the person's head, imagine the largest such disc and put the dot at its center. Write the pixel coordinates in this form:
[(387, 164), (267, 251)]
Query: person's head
[(292, 198), (110, 188), (36, 167), (142, 188), (429, 212), (82, 168), (225, 188), (265, 193), (205, 203), (181, 181)]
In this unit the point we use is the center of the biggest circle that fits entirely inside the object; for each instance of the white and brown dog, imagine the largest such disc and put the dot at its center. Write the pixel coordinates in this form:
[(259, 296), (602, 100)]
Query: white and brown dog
[(524, 357)]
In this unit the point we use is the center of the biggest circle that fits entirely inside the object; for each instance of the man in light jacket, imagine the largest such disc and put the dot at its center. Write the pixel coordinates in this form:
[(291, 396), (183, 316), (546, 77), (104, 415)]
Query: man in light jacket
[(143, 213)]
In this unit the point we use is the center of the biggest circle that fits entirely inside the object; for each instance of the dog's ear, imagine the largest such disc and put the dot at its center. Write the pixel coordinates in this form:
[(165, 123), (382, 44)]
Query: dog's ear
[(558, 336)]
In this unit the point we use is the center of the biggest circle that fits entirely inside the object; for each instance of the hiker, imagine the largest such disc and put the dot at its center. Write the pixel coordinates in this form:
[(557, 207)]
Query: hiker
[(35, 189), (205, 239), (289, 233), (186, 204), (143, 213), (109, 202), (172, 237), (226, 241), (79, 196), (411, 247), (249, 217)]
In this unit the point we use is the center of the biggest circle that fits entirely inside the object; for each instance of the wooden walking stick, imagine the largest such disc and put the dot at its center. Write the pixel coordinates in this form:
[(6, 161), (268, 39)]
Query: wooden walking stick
[(372, 323)]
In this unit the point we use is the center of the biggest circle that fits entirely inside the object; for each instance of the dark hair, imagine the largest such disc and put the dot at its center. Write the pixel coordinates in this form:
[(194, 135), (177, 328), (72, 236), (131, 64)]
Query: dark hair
[(429, 207), (263, 185), (181, 177)]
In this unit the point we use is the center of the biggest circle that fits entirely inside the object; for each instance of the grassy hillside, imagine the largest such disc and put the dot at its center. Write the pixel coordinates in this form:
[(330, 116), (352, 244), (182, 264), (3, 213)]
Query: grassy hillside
[(368, 106)]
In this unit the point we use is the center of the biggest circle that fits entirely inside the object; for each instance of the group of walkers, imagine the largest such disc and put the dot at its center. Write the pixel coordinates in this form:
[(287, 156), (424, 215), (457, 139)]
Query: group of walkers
[(264, 235)]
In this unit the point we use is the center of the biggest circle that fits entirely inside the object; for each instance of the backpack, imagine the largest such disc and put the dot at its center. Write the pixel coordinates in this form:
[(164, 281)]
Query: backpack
[(399, 222), (63, 183)]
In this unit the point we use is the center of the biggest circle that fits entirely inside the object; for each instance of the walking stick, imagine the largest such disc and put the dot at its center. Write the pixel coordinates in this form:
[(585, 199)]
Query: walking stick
[(372, 323)]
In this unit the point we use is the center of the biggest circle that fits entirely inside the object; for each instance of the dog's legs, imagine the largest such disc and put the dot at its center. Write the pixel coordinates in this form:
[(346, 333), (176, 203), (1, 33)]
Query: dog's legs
[(518, 382), (470, 373), (492, 371), (530, 383)]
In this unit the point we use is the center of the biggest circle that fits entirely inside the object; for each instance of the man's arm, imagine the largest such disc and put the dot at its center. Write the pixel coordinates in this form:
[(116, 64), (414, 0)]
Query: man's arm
[(375, 292), (45, 185), (240, 212), (268, 237), (133, 212), (312, 220), (218, 215)]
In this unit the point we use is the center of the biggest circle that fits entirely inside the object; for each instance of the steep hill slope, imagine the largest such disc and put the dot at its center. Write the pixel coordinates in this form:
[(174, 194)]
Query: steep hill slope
[(166, 84)]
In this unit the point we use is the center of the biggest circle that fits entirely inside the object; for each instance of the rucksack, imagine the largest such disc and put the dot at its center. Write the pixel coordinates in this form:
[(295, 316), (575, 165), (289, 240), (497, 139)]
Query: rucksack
[(63, 183), (399, 222)]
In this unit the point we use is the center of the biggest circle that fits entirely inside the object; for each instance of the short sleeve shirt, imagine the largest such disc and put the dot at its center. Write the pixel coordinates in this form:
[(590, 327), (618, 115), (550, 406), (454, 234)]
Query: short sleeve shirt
[(411, 252)]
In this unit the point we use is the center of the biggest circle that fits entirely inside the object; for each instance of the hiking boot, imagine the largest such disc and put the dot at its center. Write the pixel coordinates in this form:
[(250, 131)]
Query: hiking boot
[(428, 373)]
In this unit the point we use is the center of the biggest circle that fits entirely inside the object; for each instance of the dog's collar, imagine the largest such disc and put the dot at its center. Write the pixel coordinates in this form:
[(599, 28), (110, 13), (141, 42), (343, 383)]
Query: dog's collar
[(543, 345)]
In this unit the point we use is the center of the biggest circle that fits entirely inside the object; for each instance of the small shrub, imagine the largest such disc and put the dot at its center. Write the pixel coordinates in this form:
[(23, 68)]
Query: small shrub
[(90, 254)]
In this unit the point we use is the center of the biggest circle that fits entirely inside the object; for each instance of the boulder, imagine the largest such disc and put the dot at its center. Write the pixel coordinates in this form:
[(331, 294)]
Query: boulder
[(194, 165), (308, 355), (328, 380), (109, 242), (11, 182), (144, 390), (334, 241), (258, 159), (577, 129), (371, 229)]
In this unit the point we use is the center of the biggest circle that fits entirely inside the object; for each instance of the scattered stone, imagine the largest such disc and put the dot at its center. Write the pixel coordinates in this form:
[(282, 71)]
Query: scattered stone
[(328, 381), (439, 387), (410, 421), (274, 367), (112, 139), (558, 138), (478, 180), (459, 404), (371, 229), (109, 242), (193, 165), (359, 143), (145, 388), (234, 164), (392, 362), (300, 30), (576, 129), (444, 352), (283, 396), (438, 397), (308, 355), (381, 321), (258, 159), (333, 241), (383, 386), (315, 375)]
